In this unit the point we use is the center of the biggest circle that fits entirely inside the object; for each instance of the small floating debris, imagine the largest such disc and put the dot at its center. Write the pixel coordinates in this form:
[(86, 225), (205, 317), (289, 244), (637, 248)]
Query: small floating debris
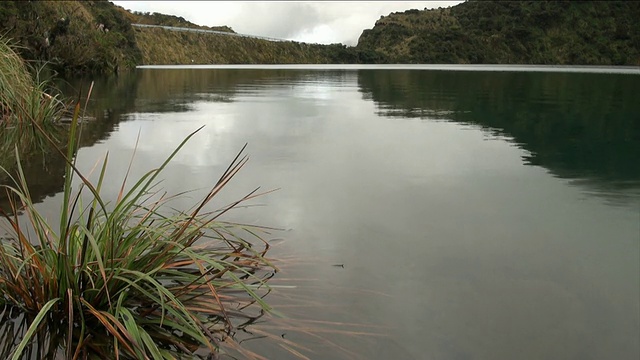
[(81, 119)]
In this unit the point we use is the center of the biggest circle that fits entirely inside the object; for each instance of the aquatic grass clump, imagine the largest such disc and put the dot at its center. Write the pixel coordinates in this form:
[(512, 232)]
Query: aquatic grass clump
[(155, 283), (24, 100), (23, 95)]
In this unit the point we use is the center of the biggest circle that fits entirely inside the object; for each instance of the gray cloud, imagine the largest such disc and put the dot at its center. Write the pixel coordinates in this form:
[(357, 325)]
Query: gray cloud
[(281, 20)]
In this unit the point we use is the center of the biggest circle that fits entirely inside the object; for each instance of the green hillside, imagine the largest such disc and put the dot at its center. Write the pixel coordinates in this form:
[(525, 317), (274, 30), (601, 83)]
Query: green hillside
[(147, 18), (511, 32), (72, 36), (162, 47)]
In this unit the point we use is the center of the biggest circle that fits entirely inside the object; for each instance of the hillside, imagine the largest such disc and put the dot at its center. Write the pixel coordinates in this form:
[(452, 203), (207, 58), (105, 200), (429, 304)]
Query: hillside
[(137, 17), (511, 32), (162, 47), (72, 36)]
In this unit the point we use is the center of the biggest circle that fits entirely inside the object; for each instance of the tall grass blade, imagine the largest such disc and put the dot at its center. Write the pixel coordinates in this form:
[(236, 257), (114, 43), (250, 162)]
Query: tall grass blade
[(28, 336)]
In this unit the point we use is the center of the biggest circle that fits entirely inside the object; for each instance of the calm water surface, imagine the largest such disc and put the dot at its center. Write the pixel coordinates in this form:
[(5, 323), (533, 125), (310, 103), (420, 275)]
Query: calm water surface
[(475, 214)]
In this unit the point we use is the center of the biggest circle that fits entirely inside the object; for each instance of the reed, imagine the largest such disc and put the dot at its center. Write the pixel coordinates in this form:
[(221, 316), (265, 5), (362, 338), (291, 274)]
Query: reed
[(24, 101), (155, 282)]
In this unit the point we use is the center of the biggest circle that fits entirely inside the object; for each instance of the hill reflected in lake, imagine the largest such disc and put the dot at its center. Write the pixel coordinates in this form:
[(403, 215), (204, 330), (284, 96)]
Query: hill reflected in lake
[(579, 126)]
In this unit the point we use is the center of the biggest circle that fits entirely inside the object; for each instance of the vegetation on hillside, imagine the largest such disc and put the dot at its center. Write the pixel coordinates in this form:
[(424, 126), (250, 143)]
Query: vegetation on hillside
[(149, 18), (71, 36), (511, 32), (161, 46)]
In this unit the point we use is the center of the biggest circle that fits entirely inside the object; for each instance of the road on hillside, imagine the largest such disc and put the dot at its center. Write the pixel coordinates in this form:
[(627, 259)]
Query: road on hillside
[(174, 28)]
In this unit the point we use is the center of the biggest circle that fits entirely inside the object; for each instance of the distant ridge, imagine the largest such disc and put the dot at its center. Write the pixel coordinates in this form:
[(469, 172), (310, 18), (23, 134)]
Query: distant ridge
[(510, 32), (207, 31)]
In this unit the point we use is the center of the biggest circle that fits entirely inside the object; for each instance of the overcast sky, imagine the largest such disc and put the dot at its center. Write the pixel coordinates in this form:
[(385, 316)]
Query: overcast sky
[(323, 22)]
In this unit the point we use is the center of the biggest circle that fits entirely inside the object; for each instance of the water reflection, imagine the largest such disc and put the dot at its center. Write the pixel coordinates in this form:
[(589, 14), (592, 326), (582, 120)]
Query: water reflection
[(176, 90), (578, 126), (111, 97), (452, 247)]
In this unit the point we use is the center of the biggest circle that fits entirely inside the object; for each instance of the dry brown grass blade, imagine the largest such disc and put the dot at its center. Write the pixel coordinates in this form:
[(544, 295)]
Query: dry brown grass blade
[(105, 319), (215, 295), (70, 326)]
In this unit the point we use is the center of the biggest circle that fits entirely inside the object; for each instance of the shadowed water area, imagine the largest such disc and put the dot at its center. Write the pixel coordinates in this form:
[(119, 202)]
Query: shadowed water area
[(426, 214)]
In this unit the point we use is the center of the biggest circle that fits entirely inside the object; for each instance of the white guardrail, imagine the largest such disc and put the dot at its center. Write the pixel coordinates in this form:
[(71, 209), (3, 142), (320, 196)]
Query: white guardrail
[(174, 28)]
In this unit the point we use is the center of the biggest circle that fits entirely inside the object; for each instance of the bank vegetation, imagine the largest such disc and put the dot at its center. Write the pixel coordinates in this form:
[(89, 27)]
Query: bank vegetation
[(511, 32)]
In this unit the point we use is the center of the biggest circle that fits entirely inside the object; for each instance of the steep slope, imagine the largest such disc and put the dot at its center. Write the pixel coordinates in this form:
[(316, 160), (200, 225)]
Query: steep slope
[(72, 36), (147, 18), (511, 32), (166, 47)]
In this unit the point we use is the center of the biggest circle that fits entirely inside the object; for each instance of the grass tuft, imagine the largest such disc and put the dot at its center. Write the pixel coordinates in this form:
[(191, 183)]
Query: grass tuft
[(24, 101), (156, 284)]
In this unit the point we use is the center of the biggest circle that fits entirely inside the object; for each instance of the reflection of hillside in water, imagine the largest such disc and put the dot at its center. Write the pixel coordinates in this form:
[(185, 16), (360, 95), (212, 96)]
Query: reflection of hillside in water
[(44, 170), (175, 90), (172, 90), (114, 97), (110, 98), (579, 126)]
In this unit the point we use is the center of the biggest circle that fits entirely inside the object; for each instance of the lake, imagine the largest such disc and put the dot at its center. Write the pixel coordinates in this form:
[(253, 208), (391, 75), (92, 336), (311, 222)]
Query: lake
[(427, 212)]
